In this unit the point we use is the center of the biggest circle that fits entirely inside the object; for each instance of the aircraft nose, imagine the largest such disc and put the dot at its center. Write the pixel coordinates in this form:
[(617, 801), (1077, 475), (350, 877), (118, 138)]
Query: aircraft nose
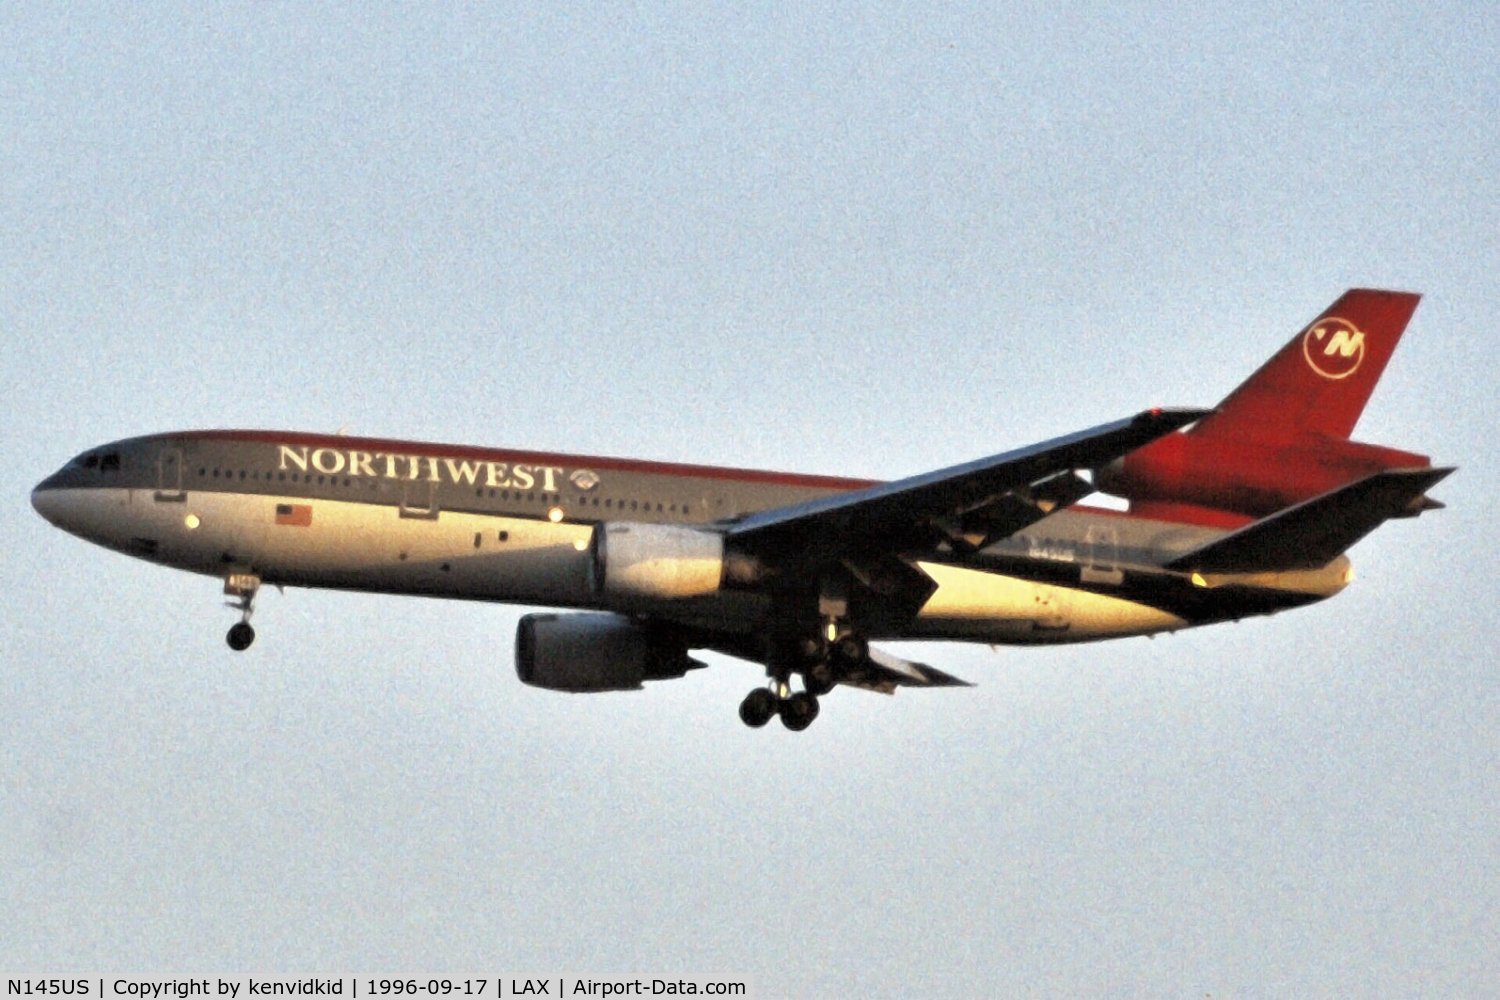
[(45, 500)]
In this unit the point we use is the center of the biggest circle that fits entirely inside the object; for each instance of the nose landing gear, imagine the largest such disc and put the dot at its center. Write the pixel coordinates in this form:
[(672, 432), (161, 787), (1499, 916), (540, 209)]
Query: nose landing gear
[(242, 586)]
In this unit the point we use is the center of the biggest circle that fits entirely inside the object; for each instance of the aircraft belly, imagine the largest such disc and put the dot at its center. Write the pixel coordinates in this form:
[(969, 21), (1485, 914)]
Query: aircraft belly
[(976, 605)]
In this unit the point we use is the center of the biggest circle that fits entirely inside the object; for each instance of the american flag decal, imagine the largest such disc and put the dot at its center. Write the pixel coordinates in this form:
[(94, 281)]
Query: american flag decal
[(296, 515)]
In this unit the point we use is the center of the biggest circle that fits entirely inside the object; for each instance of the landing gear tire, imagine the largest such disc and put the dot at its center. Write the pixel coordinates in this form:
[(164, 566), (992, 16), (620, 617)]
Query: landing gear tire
[(241, 635), (757, 708), (818, 680), (852, 648), (799, 711)]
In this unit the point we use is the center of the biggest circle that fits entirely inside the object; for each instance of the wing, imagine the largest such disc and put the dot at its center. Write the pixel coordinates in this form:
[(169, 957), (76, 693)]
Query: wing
[(966, 505)]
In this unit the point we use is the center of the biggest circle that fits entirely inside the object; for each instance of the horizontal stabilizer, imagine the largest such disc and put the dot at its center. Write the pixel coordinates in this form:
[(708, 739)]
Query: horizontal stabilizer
[(884, 672), (1313, 533)]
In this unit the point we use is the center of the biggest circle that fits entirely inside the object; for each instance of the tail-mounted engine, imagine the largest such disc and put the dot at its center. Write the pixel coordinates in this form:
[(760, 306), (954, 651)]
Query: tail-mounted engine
[(589, 651)]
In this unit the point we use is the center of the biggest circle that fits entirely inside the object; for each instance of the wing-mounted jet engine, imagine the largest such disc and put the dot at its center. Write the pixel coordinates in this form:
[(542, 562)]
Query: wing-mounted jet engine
[(596, 651)]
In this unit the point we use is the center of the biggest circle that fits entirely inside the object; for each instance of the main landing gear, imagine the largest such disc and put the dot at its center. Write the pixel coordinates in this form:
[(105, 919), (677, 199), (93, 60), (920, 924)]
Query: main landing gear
[(242, 586), (822, 657), (797, 711)]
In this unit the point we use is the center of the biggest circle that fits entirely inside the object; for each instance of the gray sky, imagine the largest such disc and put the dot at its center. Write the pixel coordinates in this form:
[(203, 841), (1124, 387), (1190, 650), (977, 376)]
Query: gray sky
[(867, 241)]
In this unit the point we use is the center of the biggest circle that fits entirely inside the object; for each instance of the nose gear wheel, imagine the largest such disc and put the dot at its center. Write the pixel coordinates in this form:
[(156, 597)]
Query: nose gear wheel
[(240, 636)]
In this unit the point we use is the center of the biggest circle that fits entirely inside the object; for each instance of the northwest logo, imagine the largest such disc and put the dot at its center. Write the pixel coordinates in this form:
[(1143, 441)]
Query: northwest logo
[(1333, 347), (430, 469)]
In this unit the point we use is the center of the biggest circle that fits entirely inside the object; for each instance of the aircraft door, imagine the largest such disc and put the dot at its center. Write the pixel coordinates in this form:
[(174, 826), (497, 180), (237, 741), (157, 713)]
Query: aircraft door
[(169, 476), (1101, 557), (419, 499)]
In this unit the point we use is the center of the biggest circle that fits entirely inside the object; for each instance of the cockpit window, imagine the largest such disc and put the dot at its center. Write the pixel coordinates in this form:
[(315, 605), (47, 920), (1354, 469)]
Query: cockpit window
[(110, 463), (89, 461)]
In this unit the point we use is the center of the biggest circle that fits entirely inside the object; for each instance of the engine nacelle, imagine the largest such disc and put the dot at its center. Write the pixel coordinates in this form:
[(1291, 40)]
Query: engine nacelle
[(656, 560), (589, 651)]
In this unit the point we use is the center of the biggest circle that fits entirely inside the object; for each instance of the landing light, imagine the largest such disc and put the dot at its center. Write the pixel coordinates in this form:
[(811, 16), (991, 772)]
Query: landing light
[(1198, 580), (191, 521), (555, 514)]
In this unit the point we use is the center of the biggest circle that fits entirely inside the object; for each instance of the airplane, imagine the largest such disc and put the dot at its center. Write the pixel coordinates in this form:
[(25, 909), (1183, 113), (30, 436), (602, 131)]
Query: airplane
[(1245, 509)]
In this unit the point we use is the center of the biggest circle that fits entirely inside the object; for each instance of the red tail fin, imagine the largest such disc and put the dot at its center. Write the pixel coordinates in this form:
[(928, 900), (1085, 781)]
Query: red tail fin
[(1319, 383), (1283, 436)]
